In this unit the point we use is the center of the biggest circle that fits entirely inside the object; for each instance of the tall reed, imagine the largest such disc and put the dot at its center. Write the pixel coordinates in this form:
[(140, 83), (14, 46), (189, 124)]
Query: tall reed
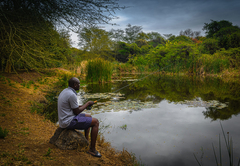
[(215, 63), (229, 146), (98, 70)]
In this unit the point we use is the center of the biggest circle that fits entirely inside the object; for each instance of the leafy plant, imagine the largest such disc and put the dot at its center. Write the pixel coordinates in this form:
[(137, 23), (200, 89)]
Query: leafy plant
[(3, 133), (124, 127), (48, 152)]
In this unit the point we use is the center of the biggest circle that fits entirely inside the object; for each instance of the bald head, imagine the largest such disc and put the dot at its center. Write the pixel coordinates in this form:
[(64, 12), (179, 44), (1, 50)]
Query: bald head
[(74, 83)]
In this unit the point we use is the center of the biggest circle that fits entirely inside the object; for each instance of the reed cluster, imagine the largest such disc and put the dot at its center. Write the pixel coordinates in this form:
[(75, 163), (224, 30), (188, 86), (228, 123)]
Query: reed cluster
[(98, 70)]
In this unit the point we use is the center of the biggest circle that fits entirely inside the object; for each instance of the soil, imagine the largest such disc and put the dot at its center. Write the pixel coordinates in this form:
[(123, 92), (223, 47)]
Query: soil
[(27, 140)]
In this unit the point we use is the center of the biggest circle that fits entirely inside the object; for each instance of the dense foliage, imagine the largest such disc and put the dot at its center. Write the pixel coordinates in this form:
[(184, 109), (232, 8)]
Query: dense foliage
[(189, 52), (30, 38), (28, 35)]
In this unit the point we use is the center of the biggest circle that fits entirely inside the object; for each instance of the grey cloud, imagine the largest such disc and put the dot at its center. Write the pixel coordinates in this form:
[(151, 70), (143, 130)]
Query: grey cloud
[(175, 15), (172, 16)]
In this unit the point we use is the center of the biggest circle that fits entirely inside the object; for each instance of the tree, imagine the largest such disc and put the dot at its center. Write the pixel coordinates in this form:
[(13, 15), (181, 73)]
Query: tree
[(181, 38), (142, 36), (223, 36), (153, 35), (190, 33), (215, 26), (131, 33), (222, 31), (167, 36), (26, 27), (171, 37), (116, 35), (155, 39), (124, 50), (235, 40), (27, 42), (96, 41), (68, 12), (141, 42), (210, 46)]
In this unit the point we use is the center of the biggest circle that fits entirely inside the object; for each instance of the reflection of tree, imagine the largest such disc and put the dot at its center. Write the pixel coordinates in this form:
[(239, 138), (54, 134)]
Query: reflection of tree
[(177, 89), (215, 114), (174, 89), (98, 88), (223, 114), (159, 88)]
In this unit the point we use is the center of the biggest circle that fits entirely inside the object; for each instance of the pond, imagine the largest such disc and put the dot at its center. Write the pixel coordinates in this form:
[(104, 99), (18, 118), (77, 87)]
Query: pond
[(166, 120)]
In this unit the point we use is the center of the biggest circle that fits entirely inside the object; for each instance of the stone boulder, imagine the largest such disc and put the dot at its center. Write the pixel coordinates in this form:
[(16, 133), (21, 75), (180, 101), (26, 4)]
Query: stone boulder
[(67, 139)]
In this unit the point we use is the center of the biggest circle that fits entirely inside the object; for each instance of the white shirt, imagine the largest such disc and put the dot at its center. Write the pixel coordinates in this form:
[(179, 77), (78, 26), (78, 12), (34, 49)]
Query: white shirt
[(67, 101)]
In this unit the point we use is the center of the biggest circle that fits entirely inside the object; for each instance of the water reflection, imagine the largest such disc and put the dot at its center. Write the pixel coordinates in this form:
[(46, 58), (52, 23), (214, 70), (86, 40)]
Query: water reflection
[(177, 89), (170, 133)]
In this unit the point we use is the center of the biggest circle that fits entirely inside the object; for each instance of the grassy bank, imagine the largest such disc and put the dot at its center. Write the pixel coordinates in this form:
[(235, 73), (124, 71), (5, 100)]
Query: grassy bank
[(28, 132)]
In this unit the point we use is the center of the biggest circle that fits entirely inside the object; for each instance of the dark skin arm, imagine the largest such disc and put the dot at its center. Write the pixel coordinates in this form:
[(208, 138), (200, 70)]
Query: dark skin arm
[(81, 108)]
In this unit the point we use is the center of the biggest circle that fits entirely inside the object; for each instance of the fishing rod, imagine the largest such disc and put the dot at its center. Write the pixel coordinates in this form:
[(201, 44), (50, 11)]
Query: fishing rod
[(90, 107)]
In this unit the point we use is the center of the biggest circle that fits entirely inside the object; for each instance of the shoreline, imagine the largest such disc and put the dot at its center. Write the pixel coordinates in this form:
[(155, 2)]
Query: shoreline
[(27, 140)]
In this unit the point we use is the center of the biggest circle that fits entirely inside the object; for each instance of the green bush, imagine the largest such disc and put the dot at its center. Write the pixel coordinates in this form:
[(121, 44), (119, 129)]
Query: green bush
[(215, 63)]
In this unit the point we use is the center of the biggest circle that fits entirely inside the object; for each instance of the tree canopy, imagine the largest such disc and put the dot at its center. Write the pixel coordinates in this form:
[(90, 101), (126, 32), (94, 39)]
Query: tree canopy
[(28, 28), (215, 26), (68, 12)]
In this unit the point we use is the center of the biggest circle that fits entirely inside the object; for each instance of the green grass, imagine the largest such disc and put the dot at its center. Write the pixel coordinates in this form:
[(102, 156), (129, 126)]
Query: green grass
[(48, 153), (9, 81), (16, 156), (24, 132), (23, 84), (2, 78), (21, 122), (3, 133), (35, 87), (36, 107)]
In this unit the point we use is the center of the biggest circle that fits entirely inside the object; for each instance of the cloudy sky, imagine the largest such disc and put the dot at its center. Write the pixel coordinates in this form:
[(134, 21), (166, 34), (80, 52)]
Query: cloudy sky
[(172, 16)]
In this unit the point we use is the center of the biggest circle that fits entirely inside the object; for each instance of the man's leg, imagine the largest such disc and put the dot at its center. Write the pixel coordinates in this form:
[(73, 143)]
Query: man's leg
[(87, 130), (94, 133)]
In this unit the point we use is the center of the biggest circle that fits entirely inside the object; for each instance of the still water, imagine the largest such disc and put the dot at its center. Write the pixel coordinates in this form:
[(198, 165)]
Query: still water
[(165, 120)]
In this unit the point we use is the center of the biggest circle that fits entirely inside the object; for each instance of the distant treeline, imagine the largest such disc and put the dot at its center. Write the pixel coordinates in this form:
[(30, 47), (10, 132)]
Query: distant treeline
[(30, 40)]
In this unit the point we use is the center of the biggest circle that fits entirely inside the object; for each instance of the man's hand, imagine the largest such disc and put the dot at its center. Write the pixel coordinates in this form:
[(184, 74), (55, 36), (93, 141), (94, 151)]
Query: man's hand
[(83, 107), (90, 103)]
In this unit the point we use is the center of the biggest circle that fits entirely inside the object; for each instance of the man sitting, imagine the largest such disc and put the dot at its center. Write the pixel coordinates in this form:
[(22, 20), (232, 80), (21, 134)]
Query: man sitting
[(70, 116)]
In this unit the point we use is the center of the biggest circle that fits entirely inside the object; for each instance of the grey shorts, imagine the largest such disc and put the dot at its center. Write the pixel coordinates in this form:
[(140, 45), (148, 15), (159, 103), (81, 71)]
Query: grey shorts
[(80, 122)]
